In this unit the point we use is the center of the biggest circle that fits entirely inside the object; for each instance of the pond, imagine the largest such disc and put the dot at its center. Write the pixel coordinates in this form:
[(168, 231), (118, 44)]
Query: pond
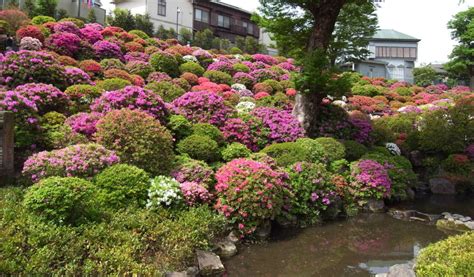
[(361, 246)]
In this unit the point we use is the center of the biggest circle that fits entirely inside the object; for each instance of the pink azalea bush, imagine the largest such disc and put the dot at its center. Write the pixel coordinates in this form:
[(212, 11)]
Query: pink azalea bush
[(84, 123), (91, 34), (249, 193), (76, 76), (195, 194), (67, 44), (105, 49), (46, 97), (370, 180), (248, 130), (82, 160), (203, 107), (194, 171), (283, 126)]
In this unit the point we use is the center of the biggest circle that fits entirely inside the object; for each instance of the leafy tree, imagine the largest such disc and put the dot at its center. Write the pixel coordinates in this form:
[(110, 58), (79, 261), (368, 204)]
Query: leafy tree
[(46, 7), (307, 26), (30, 8), (461, 64), (240, 42), (424, 76), (91, 18), (62, 13), (185, 35), (355, 26), (122, 18), (252, 46), (203, 39), (143, 23)]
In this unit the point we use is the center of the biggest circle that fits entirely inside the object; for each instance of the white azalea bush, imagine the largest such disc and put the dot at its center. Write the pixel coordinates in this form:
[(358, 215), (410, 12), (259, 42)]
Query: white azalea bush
[(190, 58), (245, 107), (164, 192), (238, 87)]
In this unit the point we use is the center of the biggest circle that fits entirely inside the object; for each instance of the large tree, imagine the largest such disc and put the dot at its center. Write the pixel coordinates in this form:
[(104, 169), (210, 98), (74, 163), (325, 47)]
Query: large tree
[(307, 26), (461, 64)]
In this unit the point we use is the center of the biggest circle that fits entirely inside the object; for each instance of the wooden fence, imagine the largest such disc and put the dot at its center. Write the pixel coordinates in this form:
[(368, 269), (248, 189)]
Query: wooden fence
[(6, 146)]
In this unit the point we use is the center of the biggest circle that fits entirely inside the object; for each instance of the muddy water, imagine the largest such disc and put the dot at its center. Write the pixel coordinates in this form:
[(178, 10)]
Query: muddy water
[(362, 246)]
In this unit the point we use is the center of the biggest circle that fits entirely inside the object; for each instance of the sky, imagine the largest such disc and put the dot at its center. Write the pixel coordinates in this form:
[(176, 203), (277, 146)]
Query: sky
[(423, 19)]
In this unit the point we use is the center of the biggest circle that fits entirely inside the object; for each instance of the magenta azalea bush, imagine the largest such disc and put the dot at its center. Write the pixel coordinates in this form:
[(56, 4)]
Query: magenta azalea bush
[(249, 193), (203, 107), (84, 123), (248, 130), (91, 34), (195, 194), (194, 171), (47, 98), (76, 76), (133, 98), (67, 44), (82, 160), (370, 180), (283, 126), (105, 49)]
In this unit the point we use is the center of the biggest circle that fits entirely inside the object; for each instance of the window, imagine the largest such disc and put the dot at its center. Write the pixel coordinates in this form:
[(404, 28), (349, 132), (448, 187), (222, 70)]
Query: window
[(248, 26), (395, 52), (201, 15), (162, 7), (223, 21)]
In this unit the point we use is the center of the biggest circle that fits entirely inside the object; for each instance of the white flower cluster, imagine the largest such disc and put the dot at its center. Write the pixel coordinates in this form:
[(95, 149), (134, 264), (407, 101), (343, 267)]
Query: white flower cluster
[(190, 58), (164, 191), (238, 87), (245, 107), (239, 57), (29, 43), (393, 149)]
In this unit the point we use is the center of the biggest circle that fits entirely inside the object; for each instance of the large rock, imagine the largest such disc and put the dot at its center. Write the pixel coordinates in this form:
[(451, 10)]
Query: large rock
[(263, 231), (442, 186), (401, 270), (375, 206), (226, 249), (209, 263)]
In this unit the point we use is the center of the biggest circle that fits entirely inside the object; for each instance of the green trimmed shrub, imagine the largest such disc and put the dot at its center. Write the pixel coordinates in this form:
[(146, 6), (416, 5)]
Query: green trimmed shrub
[(82, 96), (180, 126), (206, 129), (192, 67), (450, 257), (41, 19), (122, 185), (138, 139), (286, 153), (199, 148), (239, 67), (218, 77), (368, 90), (141, 69), (79, 23), (234, 151), (61, 200), (333, 149), (139, 33), (113, 84), (235, 51), (276, 86), (314, 150), (354, 150), (107, 64), (167, 90), (165, 63)]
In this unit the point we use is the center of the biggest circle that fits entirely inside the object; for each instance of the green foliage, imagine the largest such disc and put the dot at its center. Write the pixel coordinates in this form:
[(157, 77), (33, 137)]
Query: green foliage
[(143, 23), (180, 126), (192, 67), (46, 7), (239, 67), (139, 33), (203, 39), (91, 17), (122, 185), (235, 50), (458, 165), (450, 257), (199, 147), (354, 150), (333, 149), (314, 151), (185, 36), (235, 150), (367, 90), (41, 19), (287, 153), (218, 77), (381, 132), (82, 96), (276, 86), (122, 18), (424, 76), (163, 34), (165, 63), (167, 90), (206, 129), (60, 200), (113, 84)]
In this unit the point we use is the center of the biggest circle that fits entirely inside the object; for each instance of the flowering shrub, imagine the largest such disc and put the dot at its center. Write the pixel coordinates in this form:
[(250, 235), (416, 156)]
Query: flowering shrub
[(221, 65), (91, 67), (138, 138), (64, 43), (194, 171), (30, 31), (370, 180), (363, 128), (46, 97), (166, 90), (234, 151), (312, 189), (136, 56), (458, 164), (165, 62), (249, 193), (244, 78), (66, 27), (105, 49), (195, 194), (470, 151), (261, 75), (140, 68), (91, 35), (283, 126), (192, 67), (75, 76), (29, 43), (133, 98), (84, 123), (267, 59), (164, 191), (24, 66), (248, 130), (113, 84), (218, 77), (202, 106), (82, 160)]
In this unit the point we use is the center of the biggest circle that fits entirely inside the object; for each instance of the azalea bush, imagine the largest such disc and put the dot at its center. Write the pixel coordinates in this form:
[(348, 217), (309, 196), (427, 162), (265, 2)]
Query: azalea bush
[(164, 192), (194, 171), (249, 192), (370, 180), (195, 194)]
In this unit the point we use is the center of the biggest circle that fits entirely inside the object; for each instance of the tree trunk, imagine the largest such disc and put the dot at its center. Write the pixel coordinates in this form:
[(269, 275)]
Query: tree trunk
[(325, 13), (471, 83)]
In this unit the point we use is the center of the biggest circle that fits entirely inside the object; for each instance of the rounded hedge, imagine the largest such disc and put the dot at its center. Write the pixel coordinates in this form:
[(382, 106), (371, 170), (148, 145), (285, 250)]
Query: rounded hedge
[(167, 90), (354, 150), (235, 150), (206, 129), (333, 149), (200, 148), (138, 139), (179, 126), (122, 185), (113, 84), (60, 200), (165, 63), (218, 77), (286, 153), (192, 67)]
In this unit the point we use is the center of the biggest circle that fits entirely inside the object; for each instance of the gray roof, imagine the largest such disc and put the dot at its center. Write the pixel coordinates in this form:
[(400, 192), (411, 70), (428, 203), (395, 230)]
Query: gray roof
[(390, 34), (230, 6)]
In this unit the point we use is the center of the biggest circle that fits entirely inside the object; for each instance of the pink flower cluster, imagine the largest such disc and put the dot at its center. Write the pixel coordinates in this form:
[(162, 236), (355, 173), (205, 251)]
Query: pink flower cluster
[(67, 44), (91, 34), (194, 171), (267, 59), (47, 98), (84, 123), (372, 178), (248, 131), (283, 126), (76, 76), (106, 49), (82, 160), (203, 107), (133, 98), (194, 194)]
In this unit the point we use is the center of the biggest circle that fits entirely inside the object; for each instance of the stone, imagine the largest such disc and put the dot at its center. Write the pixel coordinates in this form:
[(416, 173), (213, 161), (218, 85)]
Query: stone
[(442, 186), (445, 213), (450, 225), (458, 222), (401, 270), (410, 194), (209, 263), (226, 249), (469, 225), (192, 271), (428, 217), (233, 237), (416, 158), (381, 275), (263, 231), (375, 206), (176, 274), (401, 214)]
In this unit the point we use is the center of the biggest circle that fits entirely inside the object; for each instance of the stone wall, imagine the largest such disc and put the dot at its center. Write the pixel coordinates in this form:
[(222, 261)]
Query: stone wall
[(6, 146)]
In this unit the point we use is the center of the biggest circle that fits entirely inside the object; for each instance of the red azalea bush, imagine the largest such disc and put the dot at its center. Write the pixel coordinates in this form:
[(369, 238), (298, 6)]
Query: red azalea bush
[(249, 193), (91, 67), (30, 31)]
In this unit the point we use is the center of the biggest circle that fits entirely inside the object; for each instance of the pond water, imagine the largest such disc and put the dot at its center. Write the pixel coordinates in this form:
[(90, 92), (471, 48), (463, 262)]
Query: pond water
[(361, 246)]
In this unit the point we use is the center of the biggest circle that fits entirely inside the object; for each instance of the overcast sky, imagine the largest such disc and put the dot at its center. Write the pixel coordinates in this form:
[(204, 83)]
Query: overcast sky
[(424, 19)]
